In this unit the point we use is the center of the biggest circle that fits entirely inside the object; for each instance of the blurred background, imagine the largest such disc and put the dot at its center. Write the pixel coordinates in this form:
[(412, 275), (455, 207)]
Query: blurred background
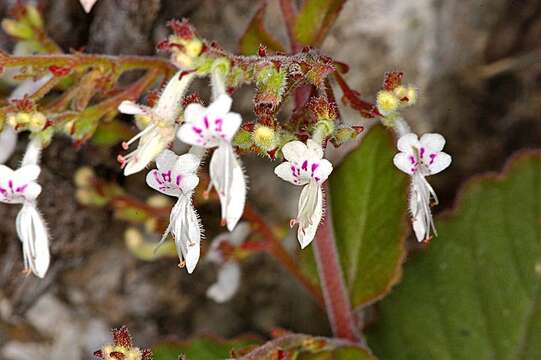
[(477, 65)]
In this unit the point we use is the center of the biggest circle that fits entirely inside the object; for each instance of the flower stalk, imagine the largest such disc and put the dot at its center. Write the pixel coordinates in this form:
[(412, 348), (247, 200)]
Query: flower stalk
[(335, 293)]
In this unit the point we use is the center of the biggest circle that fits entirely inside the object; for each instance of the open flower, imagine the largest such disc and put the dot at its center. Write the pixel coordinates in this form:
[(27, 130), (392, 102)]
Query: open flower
[(161, 119), (20, 187), (215, 126), (219, 253), (421, 158), (176, 176), (306, 167)]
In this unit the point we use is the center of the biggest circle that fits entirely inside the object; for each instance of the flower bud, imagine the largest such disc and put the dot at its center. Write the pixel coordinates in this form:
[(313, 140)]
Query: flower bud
[(243, 139), (83, 176), (265, 137), (37, 121), (387, 102), (17, 29)]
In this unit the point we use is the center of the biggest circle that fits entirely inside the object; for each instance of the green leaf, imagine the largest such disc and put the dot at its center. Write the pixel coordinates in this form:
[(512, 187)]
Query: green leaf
[(256, 35), (202, 348), (111, 133), (315, 19), (369, 208), (475, 292)]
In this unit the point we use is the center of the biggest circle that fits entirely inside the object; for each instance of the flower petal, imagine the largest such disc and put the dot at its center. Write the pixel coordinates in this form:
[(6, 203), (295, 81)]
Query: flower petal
[(403, 162), (227, 283), (156, 180), (8, 141), (188, 183), (187, 164), (228, 178), (33, 234), (323, 170), (407, 142), (433, 142), (26, 174), (169, 103), (187, 231), (310, 213), (294, 151), (150, 145), (285, 172), (166, 160), (130, 108), (315, 151), (231, 124), (220, 106), (439, 162)]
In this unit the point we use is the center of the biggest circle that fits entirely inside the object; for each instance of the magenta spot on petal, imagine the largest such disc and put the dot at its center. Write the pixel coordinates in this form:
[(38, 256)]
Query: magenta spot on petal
[(412, 159), (3, 191), (218, 125), (294, 171), (167, 176), (432, 157), (197, 130), (317, 179), (179, 178), (21, 189), (10, 183), (157, 177), (305, 165), (422, 152), (314, 167), (206, 120), (413, 169)]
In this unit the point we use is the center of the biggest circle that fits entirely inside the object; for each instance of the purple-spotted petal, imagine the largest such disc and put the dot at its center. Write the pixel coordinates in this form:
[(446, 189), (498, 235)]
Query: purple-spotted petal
[(321, 170), (290, 173), (405, 162), (162, 182), (230, 125), (438, 162), (433, 142)]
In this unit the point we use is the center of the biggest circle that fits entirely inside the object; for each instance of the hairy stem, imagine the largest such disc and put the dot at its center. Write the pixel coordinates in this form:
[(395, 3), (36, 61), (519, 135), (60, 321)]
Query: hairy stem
[(332, 281), (277, 250)]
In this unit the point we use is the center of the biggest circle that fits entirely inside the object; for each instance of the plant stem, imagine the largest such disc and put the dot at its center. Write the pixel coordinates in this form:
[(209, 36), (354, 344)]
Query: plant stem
[(332, 281), (277, 250), (289, 13)]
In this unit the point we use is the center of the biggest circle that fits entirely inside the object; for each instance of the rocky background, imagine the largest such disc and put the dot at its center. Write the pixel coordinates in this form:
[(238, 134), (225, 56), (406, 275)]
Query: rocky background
[(477, 64)]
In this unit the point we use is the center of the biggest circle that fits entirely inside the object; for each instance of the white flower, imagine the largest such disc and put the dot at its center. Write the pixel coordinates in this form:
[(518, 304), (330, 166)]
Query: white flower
[(160, 131), (228, 280), (88, 4), (176, 176), (305, 166), (8, 141), (20, 187), (215, 126), (421, 158)]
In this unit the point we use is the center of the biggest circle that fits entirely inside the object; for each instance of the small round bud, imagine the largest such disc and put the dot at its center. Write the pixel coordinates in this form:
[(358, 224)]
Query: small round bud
[(243, 139), (158, 201), (411, 95), (22, 118), (401, 92), (387, 102), (37, 121), (84, 196), (264, 137), (83, 176), (326, 127)]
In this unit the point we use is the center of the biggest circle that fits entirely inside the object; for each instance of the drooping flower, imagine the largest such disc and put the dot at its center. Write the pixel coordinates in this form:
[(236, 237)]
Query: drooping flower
[(176, 176), (306, 167), (20, 187), (161, 119), (228, 280), (419, 159), (214, 127)]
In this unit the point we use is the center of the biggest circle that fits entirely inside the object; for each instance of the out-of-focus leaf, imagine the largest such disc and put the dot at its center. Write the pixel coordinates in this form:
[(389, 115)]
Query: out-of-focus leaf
[(369, 206), (111, 133), (315, 19), (306, 347), (256, 35), (202, 348), (475, 292)]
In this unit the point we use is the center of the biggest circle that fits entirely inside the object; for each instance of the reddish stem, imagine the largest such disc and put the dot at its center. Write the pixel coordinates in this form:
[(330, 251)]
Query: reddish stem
[(336, 296), (277, 250), (289, 12)]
